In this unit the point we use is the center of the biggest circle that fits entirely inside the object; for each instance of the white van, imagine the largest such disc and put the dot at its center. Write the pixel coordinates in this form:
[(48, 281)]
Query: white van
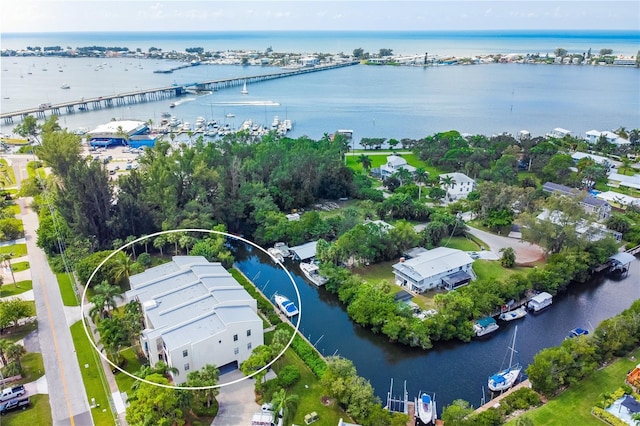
[(10, 393)]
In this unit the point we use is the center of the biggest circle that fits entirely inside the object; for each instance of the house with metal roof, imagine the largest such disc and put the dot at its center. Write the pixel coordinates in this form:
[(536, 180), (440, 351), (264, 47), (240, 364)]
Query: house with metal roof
[(460, 187), (195, 313), (591, 204), (441, 267)]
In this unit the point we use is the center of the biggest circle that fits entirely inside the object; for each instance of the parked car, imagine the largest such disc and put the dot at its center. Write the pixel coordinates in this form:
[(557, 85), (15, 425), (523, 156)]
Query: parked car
[(10, 393), (16, 404)]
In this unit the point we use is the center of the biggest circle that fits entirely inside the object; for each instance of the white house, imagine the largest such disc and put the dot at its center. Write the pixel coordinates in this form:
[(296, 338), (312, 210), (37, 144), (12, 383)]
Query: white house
[(588, 231), (461, 187), (617, 180), (593, 136), (195, 313), (621, 199), (393, 164), (440, 267), (591, 204), (559, 132)]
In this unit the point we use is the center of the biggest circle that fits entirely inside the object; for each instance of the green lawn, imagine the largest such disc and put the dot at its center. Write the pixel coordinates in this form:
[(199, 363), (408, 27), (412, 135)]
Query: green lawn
[(309, 392), (16, 250), (4, 168), (15, 334), (20, 266), (460, 243), (32, 367), (573, 406), (492, 270), (66, 289), (377, 271), (132, 365), (8, 289), (38, 414), (92, 375)]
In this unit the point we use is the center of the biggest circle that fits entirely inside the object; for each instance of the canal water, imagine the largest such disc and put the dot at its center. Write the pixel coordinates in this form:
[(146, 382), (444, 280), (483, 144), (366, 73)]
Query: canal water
[(452, 370)]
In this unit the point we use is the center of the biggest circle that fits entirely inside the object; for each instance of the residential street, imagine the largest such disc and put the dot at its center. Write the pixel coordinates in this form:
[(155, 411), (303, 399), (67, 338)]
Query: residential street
[(67, 395), (525, 252)]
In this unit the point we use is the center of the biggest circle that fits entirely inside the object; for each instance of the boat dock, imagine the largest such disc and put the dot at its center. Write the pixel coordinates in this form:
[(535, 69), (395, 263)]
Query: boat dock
[(492, 403), (148, 95)]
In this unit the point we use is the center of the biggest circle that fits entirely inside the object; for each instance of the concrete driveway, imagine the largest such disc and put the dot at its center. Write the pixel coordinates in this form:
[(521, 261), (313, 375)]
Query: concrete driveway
[(237, 402), (526, 253)]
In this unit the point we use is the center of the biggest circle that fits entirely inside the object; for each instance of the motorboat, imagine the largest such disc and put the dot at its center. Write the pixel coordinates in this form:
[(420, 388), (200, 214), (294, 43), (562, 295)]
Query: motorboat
[(200, 122), (485, 326), (426, 413), (506, 378), (65, 86), (275, 254), (577, 332), (172, 105), (518, 313), (282, 248), (287, 307), (312, 272), (229, 115)]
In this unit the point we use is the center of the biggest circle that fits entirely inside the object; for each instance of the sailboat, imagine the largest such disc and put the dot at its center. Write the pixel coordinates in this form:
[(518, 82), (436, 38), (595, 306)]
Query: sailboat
[(244, 90), (504, 379)]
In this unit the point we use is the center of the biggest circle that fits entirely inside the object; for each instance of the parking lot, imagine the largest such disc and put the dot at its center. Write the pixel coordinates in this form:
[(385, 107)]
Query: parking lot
[(117, 160)]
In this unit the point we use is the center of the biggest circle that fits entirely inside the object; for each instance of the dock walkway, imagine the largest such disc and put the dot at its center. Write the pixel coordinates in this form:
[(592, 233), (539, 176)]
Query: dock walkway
[(496, 400)]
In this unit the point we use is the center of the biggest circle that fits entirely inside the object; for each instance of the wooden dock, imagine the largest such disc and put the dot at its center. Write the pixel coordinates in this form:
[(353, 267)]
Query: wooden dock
[(497, 399)]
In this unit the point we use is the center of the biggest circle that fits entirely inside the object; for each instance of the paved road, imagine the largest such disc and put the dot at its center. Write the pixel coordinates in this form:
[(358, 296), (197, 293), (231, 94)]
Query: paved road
[(525, 252), (67, 394)]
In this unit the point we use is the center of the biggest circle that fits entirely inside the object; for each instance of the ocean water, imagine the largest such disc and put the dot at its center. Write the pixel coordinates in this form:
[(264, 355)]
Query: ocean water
[(374, 101)]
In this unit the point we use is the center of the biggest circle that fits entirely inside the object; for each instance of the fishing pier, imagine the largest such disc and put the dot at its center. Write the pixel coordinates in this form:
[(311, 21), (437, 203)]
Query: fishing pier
[(148, 95)]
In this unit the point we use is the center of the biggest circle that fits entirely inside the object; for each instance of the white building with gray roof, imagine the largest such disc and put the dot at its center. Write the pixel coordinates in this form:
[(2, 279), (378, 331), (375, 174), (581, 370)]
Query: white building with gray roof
[(195, 313)]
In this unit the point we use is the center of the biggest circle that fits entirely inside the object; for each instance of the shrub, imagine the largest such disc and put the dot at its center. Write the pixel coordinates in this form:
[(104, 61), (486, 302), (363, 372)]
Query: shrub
[(289, 376), (607, 417), (522, 399)]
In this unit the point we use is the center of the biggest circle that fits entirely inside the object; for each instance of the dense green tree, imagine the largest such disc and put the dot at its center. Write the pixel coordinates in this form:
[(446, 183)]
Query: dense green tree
[(456, 413), (205, 377), (508, 258), (13, 310), (155, 405), (284, 404)]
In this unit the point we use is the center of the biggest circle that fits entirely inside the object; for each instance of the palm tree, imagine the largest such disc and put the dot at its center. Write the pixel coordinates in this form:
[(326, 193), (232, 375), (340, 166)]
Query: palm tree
[(421, 176), (15, 353), (159, 243), (365, 160), (4, 346), (403, 175), (105, 298), (448, 182), (130, 239), (122, 268), (207, 376), (5, 260), (283, 404)]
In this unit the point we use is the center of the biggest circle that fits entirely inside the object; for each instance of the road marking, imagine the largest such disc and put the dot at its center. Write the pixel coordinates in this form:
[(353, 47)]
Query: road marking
[(55, 344)]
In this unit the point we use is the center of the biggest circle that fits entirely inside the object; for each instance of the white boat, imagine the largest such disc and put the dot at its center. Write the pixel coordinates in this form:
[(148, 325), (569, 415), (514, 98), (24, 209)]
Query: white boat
[(275, 254), (518, 313), (244, 90), (172, 105), (504, 379), (200, 122), (426, 412), (485, 326), (312, 272), (186, 127), (286, 306), (229, 115), (283, 249), (540, 301), (275, 123), (65, 86)]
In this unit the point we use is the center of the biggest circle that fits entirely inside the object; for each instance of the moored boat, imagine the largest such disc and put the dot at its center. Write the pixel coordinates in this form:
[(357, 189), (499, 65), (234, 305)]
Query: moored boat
[(506, 378), (485, 326), (425, 408), (285, 305), (518, 313), (312, 272), (65, 86), (540, 302), (282, 248), (577, 332), (275, 254)]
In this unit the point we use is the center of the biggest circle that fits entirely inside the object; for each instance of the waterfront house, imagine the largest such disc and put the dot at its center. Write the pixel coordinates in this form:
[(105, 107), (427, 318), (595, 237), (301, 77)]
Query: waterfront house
[(597, 207), (598, 159), (617, 200), (393, 164), (589, 231), (559, 133), (593, 136), (195, 313), (441, 267), (461, 185)]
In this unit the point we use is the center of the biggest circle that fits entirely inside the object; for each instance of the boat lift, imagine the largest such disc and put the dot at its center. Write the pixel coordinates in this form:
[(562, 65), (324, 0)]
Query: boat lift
[(398, 405)]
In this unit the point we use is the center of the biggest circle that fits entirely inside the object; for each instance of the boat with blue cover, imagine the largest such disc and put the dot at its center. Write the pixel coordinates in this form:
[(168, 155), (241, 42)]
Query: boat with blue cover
[(287, 307), (485, 326), (426, 413), (577, 332)]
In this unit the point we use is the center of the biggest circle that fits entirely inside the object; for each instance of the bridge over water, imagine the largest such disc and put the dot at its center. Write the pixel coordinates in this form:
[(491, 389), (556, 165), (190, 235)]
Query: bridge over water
[(147, 95)]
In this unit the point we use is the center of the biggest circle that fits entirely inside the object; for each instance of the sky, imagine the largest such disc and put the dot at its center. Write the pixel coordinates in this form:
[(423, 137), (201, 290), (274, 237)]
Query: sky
[(387, 15)]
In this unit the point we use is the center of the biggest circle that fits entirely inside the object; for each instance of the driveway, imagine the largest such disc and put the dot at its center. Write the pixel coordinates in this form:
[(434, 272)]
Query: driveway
[(526, 253), (236, 402)]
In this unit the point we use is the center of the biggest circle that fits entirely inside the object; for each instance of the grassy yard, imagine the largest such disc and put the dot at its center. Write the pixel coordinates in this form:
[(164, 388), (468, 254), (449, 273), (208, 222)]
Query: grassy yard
[(92, 375), (8, 289), (574, 405), (32, 366), (492, 270), (310, 393), (460, 243), (18, 333), (377, 271), (66, 290), (132, 365), (20, 266), (16, 250), (38, 414), (5, 169)]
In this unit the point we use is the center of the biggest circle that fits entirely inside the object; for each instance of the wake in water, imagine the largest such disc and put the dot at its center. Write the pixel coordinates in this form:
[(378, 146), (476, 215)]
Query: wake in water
[(252, 103)]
